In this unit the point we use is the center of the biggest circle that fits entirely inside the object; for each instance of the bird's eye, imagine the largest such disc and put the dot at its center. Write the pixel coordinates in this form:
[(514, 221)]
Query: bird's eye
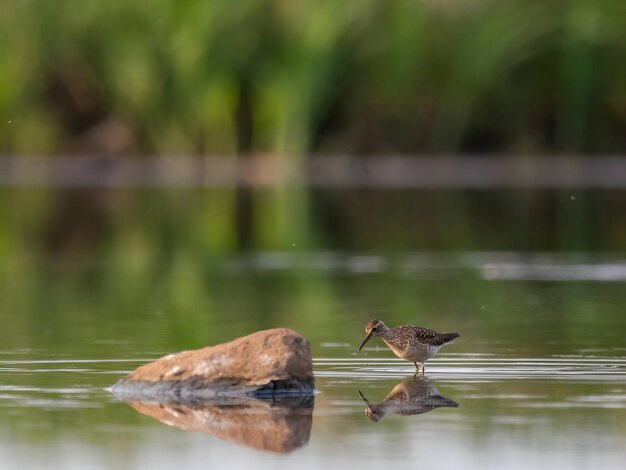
[(374, 329)]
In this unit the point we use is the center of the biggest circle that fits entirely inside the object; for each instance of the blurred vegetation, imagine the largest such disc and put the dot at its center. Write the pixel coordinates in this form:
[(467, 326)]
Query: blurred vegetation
[(190, 76), (160, 231), (296, 79), (134, 313)]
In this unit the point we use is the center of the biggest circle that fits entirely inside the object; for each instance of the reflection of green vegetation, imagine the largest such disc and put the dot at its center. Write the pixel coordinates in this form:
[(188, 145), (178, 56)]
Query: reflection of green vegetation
[(167, 230), (121, 313), (159, 260), (146, 307), (117, 312)]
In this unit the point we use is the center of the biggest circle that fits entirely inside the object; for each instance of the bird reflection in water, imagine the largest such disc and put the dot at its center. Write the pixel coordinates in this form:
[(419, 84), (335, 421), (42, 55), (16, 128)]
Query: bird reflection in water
[(414, 397)]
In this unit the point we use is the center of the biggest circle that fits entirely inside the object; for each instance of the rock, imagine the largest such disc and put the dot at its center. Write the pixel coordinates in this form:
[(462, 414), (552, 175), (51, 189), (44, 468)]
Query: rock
[(269, 362), (280, 425)]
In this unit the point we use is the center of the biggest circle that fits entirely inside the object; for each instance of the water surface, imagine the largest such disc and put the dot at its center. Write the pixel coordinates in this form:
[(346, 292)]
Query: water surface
[(537, 378)]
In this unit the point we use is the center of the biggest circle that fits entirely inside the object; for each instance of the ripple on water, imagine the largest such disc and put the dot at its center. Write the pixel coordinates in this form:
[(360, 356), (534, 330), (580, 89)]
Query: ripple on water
[(76, 383), (480, 367)]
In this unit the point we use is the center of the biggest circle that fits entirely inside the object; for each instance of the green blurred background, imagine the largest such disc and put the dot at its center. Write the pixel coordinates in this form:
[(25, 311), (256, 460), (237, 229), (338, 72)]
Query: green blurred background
[(296, 82), (299, 81), (194, 77), (128, 267)]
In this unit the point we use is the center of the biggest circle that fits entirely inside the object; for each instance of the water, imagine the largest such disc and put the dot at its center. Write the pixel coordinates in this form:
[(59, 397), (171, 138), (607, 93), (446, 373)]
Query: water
[(537, 378), (512, 412)]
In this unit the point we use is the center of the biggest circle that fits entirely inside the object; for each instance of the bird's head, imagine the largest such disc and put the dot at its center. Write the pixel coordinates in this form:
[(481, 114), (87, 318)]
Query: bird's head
[(373, 412), (373, 329)]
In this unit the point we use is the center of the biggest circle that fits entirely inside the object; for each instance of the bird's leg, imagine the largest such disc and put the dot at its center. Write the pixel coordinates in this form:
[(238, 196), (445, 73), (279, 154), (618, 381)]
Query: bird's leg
[(417, 368), (423, 370)]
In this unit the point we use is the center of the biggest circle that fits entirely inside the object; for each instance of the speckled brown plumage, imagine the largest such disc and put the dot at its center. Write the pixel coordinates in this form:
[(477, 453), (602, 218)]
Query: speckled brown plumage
[(413, 343), (409, 398)]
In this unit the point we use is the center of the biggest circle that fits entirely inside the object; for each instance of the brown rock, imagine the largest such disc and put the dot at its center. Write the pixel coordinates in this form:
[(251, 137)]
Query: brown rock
[(278, 427), (276, 361)]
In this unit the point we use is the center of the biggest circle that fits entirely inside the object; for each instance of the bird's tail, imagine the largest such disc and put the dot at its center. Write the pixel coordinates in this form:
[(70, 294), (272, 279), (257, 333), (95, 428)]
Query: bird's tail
[(447, 337)]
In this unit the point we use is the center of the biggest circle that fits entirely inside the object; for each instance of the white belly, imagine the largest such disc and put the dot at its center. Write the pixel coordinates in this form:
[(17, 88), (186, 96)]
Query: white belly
[(419, 353)]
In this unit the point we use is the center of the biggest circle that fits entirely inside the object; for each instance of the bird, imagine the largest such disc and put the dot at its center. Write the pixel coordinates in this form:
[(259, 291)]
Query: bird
[(408, 342), (414, 397)]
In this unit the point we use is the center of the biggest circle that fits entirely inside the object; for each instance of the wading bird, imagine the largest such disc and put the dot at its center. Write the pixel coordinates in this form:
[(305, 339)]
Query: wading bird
[(412, 343)]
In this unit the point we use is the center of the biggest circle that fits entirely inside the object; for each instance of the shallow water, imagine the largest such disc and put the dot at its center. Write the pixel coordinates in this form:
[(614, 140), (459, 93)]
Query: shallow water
[(537, 378), (513, 412)]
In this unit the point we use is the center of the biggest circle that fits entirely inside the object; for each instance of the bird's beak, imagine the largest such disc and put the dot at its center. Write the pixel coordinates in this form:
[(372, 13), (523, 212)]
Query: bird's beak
[(367, 338), (370, 412), (365, 399)]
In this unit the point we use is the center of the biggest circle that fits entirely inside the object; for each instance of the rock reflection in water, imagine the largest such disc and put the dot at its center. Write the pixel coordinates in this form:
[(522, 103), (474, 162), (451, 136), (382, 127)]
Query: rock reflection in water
[(414, 397), (273, 424)]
